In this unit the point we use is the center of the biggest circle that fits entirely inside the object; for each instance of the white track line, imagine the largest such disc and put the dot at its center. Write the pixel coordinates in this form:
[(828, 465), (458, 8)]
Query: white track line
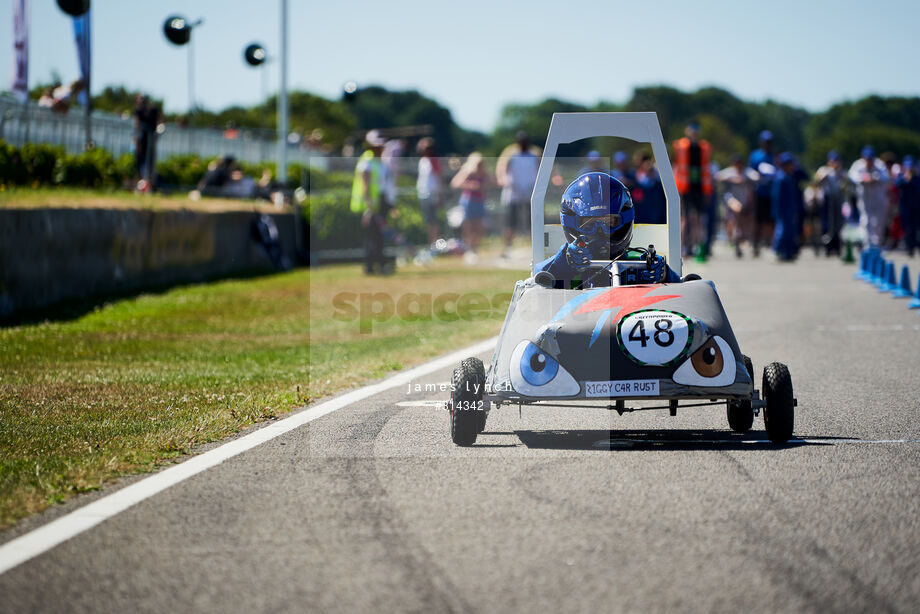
[(44, 538)]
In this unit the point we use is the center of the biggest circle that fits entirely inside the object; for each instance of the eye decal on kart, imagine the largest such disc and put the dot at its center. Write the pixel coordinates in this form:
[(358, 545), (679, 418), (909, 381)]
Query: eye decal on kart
[(536, 373), (713, 364)]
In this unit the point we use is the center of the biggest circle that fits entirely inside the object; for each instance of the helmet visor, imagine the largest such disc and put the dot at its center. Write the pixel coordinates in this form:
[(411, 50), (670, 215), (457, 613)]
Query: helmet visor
[(599, 223)]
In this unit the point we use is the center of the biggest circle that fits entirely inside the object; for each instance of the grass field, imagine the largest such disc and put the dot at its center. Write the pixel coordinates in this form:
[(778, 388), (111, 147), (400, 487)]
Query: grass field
[(136, 383)]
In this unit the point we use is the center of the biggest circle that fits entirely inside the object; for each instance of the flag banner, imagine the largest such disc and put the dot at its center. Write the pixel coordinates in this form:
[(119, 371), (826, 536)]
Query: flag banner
[(83, 38), (20, 85)]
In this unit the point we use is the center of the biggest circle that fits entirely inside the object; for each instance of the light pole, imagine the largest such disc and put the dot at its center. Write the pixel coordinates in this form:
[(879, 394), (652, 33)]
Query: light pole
[(79, 10), (283, 99), (178, 31), (255, 55)]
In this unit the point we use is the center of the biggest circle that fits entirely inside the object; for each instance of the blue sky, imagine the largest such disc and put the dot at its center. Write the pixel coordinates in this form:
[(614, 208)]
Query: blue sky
[(475, 56)]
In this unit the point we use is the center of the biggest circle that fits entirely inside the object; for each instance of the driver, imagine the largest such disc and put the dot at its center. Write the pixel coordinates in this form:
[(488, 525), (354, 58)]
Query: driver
[(597, 219)]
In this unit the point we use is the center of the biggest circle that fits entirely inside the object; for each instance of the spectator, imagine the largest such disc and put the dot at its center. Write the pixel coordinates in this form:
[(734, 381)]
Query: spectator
[(871, 179), (59, 97), (428, 186), (225, 179), (146, 117), (833, 187), (893, 231), (788, 208), (737, 183), (46, 101), (240, 185), (368, 199), (472, 178), (216, 177), (517, 172), (651, 204), (393, 151), (622, 171), (693, 175), (762, 161), (595, 164), (711, 218), (909, 202), (268, 189)]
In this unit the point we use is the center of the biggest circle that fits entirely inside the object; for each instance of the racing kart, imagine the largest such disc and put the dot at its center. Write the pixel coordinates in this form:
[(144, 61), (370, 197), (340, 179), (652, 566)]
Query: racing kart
[(670, 344)]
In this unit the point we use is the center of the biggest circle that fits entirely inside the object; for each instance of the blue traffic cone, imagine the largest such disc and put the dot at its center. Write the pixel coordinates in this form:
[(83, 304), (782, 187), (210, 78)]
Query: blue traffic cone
[(873, 268), (863, 262), (903, 289), (872, 259), (880, 269), (915, 302), (889, 283)]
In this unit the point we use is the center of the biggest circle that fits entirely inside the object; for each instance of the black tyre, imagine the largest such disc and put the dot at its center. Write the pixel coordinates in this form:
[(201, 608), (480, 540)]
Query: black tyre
[(779, 414), (467, 419), (481, 414), (741, 413), (691, 277)]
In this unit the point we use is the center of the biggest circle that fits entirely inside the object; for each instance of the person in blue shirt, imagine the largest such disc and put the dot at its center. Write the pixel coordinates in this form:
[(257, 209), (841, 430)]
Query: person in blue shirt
[(762, 161), (595, 164), (648, 195), (597, 215), (788, 207), (622, 171), (909, 202)]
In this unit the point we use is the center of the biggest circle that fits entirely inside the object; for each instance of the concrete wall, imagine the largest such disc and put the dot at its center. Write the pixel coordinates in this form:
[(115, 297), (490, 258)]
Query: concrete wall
[(52, 255)]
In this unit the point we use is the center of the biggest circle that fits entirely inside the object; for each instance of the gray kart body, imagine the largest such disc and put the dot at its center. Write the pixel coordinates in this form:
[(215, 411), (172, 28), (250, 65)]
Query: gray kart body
[(580, 329), (586, 343)]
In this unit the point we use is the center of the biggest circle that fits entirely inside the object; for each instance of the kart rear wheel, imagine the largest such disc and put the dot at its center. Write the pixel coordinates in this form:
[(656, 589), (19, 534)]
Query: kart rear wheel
[(779, 413), (465, 408), (741, 413)]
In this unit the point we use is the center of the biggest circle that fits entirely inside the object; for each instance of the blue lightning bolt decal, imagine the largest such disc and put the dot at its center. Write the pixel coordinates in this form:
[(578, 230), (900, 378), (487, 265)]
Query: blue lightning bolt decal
[(599, 326)]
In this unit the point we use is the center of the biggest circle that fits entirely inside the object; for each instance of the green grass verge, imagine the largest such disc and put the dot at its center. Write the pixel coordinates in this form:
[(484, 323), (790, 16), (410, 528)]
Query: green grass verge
[(135, 383)]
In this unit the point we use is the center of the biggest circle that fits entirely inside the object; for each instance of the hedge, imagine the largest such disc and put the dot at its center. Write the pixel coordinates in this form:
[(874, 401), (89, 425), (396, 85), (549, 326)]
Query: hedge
[(37, 164), (334, 226), (326, 209)]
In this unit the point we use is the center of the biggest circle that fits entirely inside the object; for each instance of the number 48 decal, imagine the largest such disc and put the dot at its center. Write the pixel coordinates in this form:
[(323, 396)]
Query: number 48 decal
[(655, 337), (663, 335)]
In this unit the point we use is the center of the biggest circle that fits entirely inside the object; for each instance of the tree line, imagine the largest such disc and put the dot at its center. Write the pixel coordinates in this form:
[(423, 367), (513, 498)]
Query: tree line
[(889, 123)]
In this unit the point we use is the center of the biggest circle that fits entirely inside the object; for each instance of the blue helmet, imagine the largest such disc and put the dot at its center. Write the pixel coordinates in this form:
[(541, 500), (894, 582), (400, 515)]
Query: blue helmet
[(598, 209)]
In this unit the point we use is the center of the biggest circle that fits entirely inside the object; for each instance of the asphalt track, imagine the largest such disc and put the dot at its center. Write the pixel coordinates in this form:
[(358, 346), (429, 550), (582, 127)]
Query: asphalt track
[(372, 508)]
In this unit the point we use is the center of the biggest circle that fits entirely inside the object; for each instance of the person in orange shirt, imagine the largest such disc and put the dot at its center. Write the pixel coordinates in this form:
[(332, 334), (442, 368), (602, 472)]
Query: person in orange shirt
[(693, 175)]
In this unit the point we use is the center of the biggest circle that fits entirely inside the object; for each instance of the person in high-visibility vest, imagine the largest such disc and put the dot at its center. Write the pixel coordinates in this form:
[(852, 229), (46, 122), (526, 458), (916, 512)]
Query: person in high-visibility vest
[(693, 175), (367, 198)]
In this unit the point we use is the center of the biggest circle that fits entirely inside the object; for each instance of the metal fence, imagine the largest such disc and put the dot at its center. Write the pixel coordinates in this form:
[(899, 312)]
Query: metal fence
[(29, 123)]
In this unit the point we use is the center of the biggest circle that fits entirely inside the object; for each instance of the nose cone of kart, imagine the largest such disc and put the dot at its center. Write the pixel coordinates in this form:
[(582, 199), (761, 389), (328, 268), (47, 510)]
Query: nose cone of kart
[(580, 330)]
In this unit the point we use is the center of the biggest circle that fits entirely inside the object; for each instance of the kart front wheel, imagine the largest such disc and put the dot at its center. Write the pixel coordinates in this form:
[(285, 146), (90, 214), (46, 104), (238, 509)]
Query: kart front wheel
[(741, 413), (779, 413), (481, 375), (467, 418)]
